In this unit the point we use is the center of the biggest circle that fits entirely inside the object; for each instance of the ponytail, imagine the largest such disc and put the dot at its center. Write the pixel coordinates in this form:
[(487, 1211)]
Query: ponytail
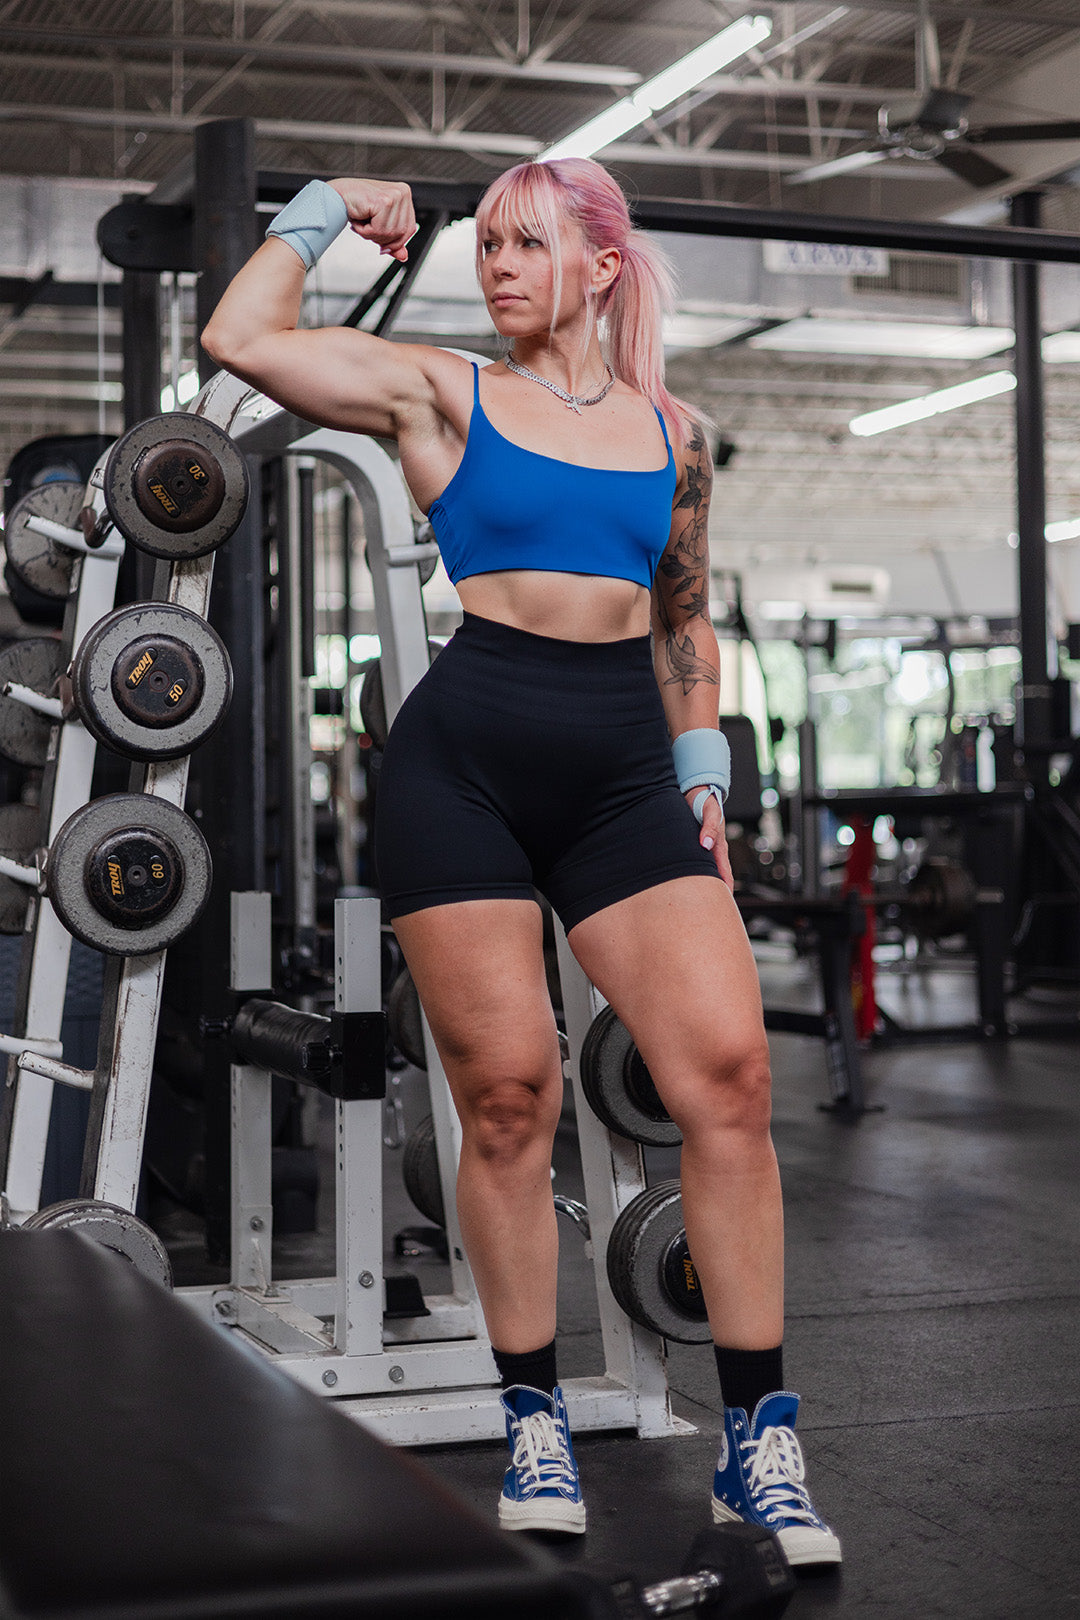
[(633, 315)]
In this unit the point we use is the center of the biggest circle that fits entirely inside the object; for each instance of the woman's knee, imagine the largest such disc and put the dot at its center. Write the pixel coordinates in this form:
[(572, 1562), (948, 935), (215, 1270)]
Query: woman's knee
[(508, 1115), (731, 1093)]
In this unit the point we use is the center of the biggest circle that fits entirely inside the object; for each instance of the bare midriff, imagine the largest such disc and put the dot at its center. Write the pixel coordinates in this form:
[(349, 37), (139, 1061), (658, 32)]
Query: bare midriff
[(570, 607)]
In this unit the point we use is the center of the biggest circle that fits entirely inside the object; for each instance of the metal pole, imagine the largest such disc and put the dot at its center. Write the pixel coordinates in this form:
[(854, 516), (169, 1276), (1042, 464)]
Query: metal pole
[(1033, 707), (140, 313), (230, 787)]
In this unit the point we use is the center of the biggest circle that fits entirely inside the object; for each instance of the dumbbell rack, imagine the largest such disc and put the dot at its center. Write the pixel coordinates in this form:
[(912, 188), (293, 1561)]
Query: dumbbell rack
[(430, 1379), (119, 1085), (46, 942)]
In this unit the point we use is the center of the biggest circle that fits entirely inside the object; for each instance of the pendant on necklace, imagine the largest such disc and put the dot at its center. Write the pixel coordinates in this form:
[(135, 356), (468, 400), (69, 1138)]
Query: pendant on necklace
[(572, 407)]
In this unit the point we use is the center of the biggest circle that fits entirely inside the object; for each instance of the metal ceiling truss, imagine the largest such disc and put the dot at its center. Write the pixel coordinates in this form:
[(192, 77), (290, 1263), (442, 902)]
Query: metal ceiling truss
[(438, 93)]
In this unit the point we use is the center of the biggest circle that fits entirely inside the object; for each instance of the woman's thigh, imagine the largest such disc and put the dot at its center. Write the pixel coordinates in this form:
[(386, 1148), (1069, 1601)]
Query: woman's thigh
[(675, 963), (479, 968)]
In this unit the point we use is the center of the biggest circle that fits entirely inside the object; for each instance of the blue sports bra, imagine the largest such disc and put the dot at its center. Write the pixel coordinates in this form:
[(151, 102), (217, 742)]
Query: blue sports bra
[(506, 507)]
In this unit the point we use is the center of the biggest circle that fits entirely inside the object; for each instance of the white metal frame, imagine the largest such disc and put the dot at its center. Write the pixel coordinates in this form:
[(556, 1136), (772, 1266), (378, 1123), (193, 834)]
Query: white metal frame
[(430, 1380)]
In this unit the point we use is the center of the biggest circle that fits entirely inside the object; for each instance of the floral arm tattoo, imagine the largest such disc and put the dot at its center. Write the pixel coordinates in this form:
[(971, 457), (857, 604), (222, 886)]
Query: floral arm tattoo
[(682, 581)]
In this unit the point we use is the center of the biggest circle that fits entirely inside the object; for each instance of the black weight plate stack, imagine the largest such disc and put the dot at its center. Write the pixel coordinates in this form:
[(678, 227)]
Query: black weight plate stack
[(619, 1088), (128, 874), (114, 1228), (373, 699), (403, 1019), (20, 835), (420, 1172), (152, 681), (176, 486), (41, 564), (650, 1270), (373, 704), (35, 662)]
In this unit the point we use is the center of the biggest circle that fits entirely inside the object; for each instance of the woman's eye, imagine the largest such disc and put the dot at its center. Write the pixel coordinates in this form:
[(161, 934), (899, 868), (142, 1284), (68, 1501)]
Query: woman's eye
[(531, 241)]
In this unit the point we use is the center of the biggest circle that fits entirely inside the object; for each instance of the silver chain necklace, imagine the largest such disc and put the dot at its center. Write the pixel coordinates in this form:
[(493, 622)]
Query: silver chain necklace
[(573, 402)]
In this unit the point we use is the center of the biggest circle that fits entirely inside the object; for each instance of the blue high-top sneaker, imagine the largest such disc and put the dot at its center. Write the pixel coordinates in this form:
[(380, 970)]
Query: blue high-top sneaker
[(541, 1490), (759, 1478)]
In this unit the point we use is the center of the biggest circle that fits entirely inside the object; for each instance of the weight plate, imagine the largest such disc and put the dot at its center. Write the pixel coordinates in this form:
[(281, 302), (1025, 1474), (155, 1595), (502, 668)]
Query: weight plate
[(176, 486), (940, 899), (420, 1172), (24, 734), (373, 704), (152, 681), (20, 834), (128, 874), (650, 1270), (40, 563), (373, 699), (114, 1228), (619, 1088), (134, 877), (403, 1019)]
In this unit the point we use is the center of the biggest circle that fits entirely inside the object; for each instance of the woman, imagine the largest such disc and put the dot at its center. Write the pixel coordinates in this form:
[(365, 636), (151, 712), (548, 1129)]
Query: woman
[(570, 498)]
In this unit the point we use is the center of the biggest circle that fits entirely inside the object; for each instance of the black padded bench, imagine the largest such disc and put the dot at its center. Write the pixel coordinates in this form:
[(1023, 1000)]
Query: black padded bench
[(155, 1468)]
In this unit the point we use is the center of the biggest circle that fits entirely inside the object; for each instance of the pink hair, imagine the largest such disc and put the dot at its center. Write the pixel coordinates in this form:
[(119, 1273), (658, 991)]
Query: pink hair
[(534, 197)]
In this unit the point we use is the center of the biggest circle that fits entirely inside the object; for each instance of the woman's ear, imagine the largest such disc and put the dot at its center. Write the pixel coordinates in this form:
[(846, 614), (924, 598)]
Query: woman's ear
[(606, 266)]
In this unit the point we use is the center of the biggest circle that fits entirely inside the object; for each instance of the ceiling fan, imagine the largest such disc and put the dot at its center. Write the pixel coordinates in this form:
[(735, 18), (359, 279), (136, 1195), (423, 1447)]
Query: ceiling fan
[(934, 127)]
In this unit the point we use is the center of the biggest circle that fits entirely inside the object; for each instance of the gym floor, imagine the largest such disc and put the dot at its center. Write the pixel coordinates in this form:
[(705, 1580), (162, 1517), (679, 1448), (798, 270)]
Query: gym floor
[(933, 1330)]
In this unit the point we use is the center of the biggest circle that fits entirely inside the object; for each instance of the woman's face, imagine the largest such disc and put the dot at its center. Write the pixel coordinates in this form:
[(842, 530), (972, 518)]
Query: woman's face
[(517, 276)]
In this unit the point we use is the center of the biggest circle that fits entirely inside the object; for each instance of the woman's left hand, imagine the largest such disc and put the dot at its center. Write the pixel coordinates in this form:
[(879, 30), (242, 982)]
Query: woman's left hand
[(712, 836)]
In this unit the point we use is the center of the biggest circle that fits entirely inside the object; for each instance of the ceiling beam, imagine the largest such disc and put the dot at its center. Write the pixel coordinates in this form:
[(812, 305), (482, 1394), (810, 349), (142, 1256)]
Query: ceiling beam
[(464, 140), (961, 10), (288, 55), (293, 53), (505, 19)]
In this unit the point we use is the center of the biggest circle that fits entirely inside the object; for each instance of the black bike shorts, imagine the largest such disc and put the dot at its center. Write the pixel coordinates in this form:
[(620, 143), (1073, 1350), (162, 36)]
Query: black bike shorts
[(523, 762)]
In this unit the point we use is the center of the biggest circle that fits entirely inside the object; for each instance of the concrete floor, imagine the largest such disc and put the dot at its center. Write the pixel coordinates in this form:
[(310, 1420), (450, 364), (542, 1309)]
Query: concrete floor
[(934, 1332)]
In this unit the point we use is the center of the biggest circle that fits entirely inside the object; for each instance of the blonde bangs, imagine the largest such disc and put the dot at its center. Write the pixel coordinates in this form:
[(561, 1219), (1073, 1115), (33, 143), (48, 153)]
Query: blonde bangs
[(524, 200)]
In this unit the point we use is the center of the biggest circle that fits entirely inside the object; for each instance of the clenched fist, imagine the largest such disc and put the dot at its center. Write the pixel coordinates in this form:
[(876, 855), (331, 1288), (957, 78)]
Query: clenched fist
[(380, 211)]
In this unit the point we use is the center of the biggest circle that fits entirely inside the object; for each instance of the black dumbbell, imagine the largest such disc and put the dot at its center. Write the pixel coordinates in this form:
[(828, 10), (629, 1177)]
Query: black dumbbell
[(732, 1572)]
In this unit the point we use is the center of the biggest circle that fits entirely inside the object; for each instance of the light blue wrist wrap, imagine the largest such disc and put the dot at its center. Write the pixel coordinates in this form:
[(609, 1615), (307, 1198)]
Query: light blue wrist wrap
[(702, 759), (315, 218)]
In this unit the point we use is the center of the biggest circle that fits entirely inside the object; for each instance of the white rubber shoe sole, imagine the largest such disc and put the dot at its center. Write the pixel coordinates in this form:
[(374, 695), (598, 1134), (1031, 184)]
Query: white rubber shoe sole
[(802, 1543), (543, 1513)]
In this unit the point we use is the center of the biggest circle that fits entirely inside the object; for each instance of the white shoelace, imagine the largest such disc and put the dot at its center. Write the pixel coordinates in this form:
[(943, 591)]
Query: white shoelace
[(776, 1473), (541, 1449)]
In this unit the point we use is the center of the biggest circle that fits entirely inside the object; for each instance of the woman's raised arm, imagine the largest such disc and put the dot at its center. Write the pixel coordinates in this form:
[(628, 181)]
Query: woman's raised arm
[(334, 376)]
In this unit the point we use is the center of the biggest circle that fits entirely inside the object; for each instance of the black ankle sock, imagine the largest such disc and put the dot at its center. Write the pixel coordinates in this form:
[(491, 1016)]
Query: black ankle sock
[(747, 1375), (535, 1368)]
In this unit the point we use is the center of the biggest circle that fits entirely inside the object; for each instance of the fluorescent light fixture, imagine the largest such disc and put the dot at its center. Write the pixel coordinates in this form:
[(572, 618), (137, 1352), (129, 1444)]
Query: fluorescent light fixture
[(1069, 529), (1061, 348), (687, 330), (660, 91), (944, 399), (916, 340), (850, 163)]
